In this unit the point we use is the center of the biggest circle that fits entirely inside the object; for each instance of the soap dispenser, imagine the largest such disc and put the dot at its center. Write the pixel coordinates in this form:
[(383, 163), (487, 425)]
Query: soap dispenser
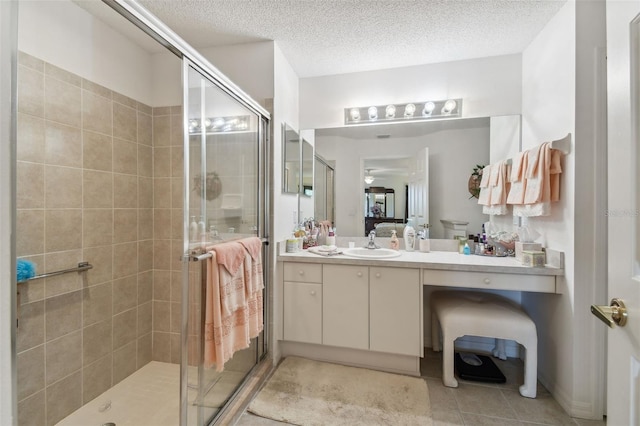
[(394, 244), (409, 236)]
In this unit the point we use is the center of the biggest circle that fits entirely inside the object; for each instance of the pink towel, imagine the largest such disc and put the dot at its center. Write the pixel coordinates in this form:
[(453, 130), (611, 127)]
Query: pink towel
[(232, 315), (542, 182)]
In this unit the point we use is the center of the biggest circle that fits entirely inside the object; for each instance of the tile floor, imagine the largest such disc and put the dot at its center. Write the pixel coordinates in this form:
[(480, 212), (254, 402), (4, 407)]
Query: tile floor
[(478, 404)]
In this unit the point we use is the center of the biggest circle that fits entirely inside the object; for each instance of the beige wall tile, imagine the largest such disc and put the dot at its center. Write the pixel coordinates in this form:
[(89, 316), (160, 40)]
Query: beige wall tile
[(29, 185), (145, 108), (144, 350), (145, 160), (177, 189), (125, 225), (176, 109), (30, 91), (97, 303), (30, 331), (161, 316), (96, 378), (124, 362), (145, 255), (161, 224), (176, 286), (125, 122), (125, 100), (63, 145), (145, 318), (177, 161), (62, 102), (162, 131), (161, 347), (30, 367), (97, 190), (62, 75), (63, 187), (102, 260), (63, 398), (62, 356), (157, 111), (177, 137), (97, 341), (96, 88), (161, 285), (98, 227), (97, 151), (161, 161), (30, 61), (176, 348), (125, 260), (176, 255), (176, 318), (63, 229), (63, 314), (161, 254), (145, 128), (145, 287), (145, 192), (65, 283), (162, 193), (30, 138), (125, 156), (177, 224), (145, 224), (97, 114), (29, 232), (124, 328), (125, 191), (31, 410), (125, 294)]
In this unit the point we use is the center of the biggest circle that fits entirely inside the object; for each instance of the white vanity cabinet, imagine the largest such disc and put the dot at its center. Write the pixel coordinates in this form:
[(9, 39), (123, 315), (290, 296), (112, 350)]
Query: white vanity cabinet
[(395, 317), (303, 302), (345, 308)]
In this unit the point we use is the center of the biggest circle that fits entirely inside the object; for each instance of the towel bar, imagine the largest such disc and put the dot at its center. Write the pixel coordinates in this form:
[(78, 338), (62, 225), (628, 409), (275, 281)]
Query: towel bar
[(82, 266)]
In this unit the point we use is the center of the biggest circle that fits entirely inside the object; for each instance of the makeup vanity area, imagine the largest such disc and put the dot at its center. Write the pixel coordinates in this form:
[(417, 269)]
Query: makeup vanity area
[(370, 313)]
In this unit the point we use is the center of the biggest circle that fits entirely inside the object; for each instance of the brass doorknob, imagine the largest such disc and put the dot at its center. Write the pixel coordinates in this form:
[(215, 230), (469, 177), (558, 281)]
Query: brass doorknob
[(614, 314)]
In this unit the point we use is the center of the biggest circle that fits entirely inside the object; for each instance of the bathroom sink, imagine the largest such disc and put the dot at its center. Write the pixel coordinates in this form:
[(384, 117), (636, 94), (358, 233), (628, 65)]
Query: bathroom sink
[(365, 253)]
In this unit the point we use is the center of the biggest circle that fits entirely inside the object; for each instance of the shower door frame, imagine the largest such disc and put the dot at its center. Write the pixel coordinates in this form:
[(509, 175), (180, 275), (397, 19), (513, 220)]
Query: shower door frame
[(140, 17)]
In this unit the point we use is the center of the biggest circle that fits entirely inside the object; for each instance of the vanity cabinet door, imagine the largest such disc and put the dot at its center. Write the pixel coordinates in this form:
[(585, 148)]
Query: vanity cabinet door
[(303, 312), (395, 316), (345, 306)]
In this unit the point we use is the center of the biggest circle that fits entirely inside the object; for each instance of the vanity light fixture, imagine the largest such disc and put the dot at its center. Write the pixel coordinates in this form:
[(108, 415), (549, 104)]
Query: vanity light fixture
[(219, 124), (429, 110), (368, 179)]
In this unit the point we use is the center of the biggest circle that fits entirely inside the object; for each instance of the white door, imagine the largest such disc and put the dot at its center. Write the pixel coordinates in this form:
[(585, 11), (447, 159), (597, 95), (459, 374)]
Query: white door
[(623, 81), (419, 189)]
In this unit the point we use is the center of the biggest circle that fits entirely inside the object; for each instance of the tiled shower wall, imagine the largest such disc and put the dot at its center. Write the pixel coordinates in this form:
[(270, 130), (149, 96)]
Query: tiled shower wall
[(85, 191)]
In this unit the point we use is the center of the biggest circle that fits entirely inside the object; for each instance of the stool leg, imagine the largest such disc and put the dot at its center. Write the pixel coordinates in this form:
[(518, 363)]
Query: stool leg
[(448, 377), (529, 388), (499, 351), (435, 332)]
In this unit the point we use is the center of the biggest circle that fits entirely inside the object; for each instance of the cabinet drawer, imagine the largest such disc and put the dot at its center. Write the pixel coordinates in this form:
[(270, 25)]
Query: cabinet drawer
[(303, 272), (518, 282)]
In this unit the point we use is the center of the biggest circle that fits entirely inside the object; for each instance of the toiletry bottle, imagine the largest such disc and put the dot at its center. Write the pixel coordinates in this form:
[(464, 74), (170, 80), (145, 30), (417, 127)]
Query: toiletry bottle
[(409, 236), (331, 237), (466, 249), (193, 230), (394, 244), (202, 230)]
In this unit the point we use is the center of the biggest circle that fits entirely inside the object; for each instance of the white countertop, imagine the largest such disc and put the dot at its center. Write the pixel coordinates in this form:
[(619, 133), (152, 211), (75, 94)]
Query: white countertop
[(443, 260)]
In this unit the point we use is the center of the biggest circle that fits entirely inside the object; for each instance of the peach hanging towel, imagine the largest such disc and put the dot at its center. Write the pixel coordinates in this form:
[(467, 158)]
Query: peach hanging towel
[(542, 182), (233, 300)]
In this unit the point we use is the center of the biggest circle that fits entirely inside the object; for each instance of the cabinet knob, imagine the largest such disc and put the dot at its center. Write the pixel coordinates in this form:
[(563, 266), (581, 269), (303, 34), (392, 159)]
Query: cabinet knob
[(313, 292), (487, 281), (377, 274), (301, 272), (359, 274)]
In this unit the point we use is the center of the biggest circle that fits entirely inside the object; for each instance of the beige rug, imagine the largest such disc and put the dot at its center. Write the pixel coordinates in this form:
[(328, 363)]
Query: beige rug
[(305, 392)]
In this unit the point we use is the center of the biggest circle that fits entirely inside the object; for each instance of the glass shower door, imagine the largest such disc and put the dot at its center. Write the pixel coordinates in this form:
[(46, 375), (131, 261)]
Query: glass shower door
[(224, 200)]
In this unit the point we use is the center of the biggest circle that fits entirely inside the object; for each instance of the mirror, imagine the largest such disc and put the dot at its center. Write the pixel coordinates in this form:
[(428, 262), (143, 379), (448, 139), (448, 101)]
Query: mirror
[(290, 160), (455, 147), (307, 168), (323, 189)]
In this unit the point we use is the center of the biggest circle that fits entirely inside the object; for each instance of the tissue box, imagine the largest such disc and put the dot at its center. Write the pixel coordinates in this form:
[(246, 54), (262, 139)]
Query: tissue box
[(533, 258), (520, 247)]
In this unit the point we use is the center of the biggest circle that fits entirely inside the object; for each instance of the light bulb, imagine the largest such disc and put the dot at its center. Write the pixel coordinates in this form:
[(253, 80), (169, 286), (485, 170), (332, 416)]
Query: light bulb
[(390, 111), (373, 113), (409, 109), (355, 114), (207, 122), (449, 106), (428, 108)]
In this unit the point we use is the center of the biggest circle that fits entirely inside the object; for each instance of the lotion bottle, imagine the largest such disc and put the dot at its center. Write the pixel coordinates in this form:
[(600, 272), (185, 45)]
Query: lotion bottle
[(193, 229), (394, 244), (409, 236), (202, 230)]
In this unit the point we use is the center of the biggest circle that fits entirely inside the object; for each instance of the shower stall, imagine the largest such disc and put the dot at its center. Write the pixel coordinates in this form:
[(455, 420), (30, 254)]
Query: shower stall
[(125, 136)]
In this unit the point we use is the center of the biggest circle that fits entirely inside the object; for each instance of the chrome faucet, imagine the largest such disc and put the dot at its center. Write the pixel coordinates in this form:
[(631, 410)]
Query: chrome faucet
[(372, 241)]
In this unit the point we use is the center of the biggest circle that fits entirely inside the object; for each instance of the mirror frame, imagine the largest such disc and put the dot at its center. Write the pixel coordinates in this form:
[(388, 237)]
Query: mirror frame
[(289, 136)]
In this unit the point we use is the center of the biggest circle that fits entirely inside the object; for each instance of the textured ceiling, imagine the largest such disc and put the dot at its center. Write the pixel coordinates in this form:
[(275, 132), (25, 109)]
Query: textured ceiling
[(323, 37)]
